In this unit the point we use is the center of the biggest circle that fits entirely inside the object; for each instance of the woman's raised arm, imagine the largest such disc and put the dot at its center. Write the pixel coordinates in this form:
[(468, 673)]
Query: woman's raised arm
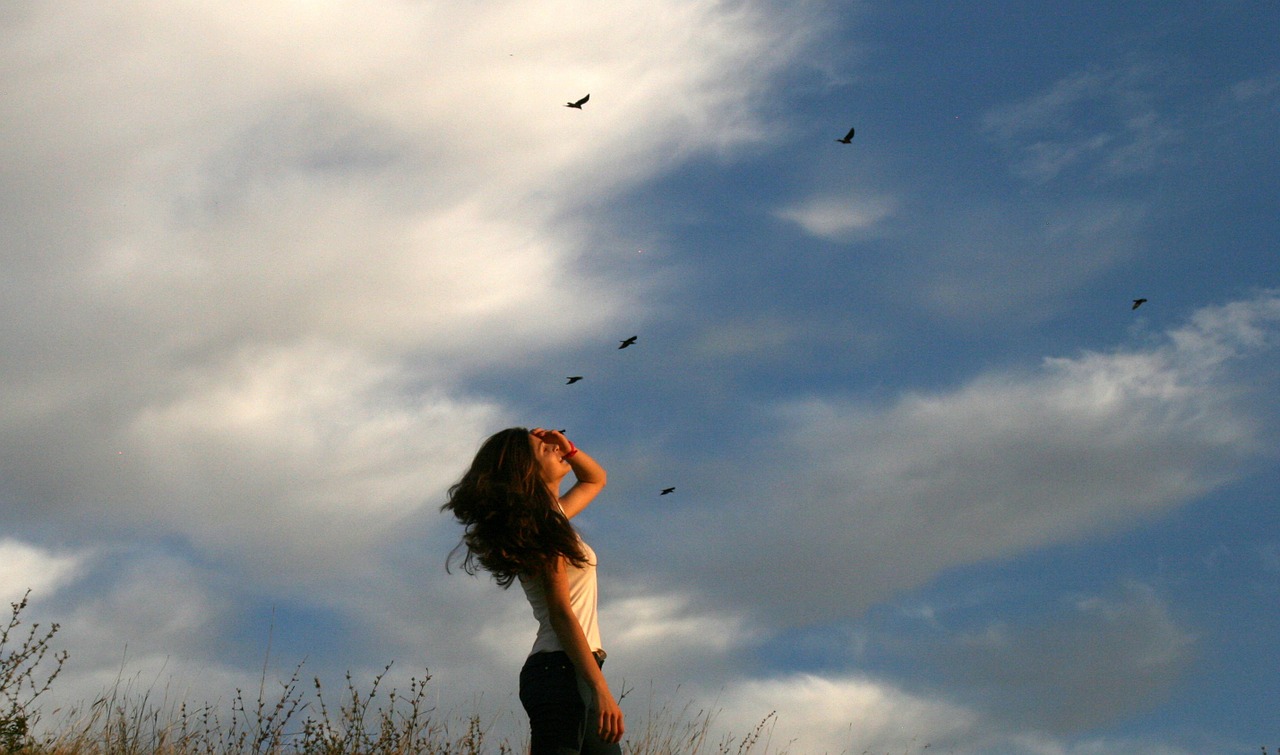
[(590, 478)]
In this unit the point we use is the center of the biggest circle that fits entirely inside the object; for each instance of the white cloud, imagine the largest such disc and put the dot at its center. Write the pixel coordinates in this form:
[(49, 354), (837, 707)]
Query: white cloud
[(1257, 88), (837, 217), (160, 604), (399, 177), (143, 625), (1100, 121), (29, 567), (817, 714), (255, 254), (1100, 660), (255, 246), (990, 263), (300, 463), (649, 622), (854, 502), (661, 635), (836, 714)]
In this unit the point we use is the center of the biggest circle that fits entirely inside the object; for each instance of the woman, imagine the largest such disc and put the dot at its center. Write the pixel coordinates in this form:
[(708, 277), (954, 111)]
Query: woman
[(517, 527)]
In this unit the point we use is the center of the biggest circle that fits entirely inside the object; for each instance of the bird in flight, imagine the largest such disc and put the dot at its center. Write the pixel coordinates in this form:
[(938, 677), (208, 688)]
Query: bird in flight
[(573, 379), (578, 105), (847, 138), (1138, 303), (628, 342), (667, 491)]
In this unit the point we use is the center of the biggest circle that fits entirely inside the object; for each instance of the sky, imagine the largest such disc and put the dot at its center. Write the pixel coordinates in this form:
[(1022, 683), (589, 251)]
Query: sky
[(272, 270)]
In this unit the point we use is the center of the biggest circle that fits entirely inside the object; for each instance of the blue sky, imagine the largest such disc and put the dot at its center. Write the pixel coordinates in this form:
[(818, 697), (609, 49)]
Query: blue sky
[(273, 270)]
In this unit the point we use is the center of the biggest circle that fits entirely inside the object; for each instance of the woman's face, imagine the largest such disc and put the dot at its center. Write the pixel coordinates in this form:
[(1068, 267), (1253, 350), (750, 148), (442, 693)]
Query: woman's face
[(551, 466)]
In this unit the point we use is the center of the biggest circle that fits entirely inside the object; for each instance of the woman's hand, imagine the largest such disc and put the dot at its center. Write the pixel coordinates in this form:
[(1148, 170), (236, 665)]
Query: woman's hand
[(590, 475), (609, 718), (555, 438)]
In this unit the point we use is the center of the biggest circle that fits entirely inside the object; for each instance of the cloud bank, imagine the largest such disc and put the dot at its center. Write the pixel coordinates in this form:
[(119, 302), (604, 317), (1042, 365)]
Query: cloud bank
[(856, 502)]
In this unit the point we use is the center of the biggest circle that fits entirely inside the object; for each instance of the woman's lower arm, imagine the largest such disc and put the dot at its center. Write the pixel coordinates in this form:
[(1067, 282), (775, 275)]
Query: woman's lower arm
[(587, 469), (580, 652)]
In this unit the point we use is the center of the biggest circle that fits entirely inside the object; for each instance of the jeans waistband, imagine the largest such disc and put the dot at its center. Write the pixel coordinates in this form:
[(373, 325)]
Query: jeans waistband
[(599, 655)]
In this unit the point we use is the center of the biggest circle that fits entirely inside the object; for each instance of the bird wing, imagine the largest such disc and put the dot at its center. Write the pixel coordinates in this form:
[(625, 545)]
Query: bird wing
[(582, 101), (849, 135)]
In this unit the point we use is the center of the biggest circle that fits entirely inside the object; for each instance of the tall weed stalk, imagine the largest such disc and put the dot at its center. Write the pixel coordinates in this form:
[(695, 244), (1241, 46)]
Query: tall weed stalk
[(22, 677), (291, 721)]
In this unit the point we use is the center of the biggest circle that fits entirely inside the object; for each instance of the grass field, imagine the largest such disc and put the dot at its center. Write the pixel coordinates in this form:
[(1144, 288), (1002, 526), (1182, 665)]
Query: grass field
[(283, 716)]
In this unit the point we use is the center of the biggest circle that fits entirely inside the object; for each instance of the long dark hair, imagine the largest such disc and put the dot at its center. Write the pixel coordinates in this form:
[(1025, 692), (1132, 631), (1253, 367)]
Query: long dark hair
[(512, 524)]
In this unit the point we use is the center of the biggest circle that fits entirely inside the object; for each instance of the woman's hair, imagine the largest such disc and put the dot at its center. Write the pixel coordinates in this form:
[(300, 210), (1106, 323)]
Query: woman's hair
[(512, 524)]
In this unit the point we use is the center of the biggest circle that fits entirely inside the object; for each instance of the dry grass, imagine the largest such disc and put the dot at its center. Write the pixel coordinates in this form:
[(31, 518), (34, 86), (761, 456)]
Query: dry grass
[(665, 731), (294, 719)]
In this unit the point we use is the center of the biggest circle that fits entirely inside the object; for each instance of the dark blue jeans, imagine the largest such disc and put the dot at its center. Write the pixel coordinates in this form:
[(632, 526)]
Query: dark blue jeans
[(559, 720)]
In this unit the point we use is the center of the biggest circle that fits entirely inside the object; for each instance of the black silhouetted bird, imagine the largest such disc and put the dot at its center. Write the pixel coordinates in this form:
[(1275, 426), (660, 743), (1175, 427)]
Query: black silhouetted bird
[(579, 103), (667, 491), (628, 342), (573, 379), (1138, 303), (847, 138)]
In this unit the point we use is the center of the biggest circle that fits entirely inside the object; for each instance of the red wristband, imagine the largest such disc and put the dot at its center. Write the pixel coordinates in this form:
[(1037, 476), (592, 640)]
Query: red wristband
[(572, 450)]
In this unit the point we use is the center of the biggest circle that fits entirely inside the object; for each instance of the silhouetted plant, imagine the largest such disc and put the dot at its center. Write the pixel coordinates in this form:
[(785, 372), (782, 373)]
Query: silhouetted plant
[(21, 678), (123, 721)]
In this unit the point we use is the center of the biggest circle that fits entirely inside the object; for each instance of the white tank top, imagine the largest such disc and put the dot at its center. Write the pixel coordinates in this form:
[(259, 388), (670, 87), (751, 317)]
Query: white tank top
[(582, 599)]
